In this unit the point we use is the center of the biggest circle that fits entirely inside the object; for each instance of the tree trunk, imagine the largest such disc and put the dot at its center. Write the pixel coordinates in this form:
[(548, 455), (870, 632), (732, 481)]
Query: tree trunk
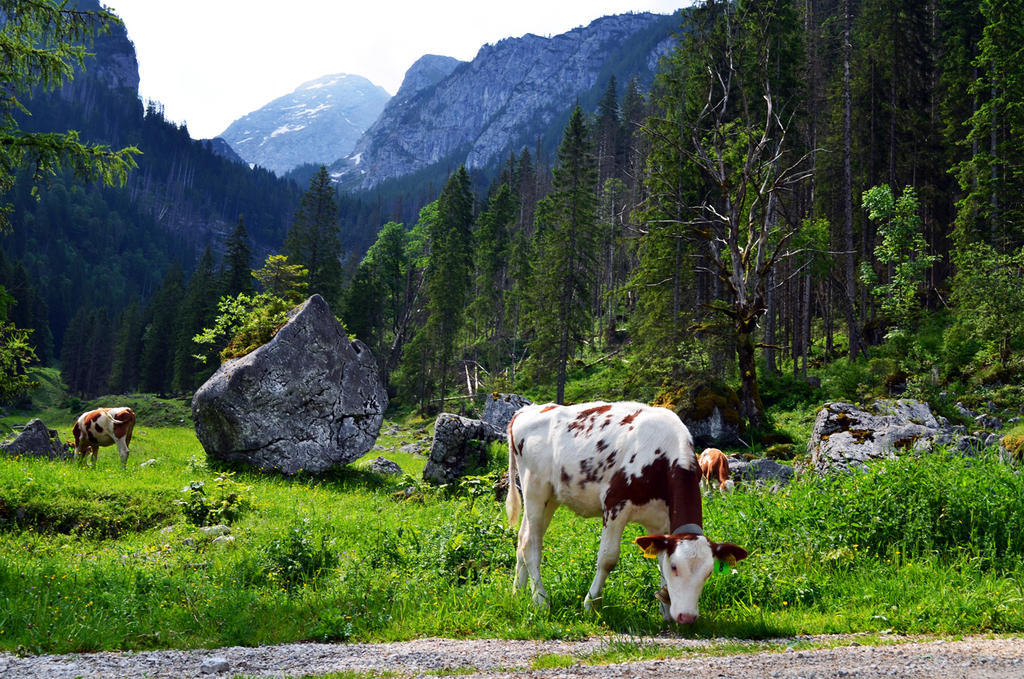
[(852, 323), (769, 324), (751, 407)]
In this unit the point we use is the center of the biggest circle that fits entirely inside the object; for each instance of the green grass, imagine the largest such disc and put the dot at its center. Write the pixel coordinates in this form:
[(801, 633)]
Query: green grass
[(103, 559)]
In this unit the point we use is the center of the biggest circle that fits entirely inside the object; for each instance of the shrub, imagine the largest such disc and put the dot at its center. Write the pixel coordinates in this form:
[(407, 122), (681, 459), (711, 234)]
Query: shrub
[(300, 556), (472, 543), (224, 507)]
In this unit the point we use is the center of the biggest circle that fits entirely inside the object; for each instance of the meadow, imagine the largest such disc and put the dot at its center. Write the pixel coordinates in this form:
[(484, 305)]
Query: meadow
[(103, 559)]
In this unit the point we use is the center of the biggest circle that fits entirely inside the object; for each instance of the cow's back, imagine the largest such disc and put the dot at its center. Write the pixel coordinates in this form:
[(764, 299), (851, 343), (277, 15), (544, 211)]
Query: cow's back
[(586, 451)]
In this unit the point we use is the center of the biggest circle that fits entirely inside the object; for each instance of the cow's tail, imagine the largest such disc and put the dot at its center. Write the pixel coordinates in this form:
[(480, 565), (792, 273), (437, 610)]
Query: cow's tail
[(513, 501)]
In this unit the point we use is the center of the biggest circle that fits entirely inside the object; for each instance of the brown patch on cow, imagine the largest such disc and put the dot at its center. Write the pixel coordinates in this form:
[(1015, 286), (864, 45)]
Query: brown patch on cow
[(589, 472), (586, 419), (628, 419), (517, 449), (547, 408), (676, 486), (601, 446), (124, 423), (508, 427), (595, 411), (566, 479)]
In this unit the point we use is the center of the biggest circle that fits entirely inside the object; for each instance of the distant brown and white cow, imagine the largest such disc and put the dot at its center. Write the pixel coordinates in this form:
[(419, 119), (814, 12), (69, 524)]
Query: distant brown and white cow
[(623, 462), (715, 466), (104, 427)]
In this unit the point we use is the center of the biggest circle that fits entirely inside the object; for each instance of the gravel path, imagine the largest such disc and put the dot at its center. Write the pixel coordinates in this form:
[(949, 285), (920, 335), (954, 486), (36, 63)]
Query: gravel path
[(974, 657)]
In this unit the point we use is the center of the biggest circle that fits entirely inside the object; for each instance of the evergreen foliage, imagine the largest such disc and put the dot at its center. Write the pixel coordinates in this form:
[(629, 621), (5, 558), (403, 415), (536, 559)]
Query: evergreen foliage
[(564, 282), (313, 240), (42, 43)]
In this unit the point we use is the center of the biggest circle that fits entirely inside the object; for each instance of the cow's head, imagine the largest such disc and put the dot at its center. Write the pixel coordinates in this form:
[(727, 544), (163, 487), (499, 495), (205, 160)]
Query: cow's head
[(686, 560)]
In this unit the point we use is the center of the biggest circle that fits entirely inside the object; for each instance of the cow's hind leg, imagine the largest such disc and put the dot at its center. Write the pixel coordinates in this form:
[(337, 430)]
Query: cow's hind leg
[(122, 448), (607, 559), (538, 508)]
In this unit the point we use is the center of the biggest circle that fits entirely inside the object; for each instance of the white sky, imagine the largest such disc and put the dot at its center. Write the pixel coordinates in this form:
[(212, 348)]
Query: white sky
[(209, 62)]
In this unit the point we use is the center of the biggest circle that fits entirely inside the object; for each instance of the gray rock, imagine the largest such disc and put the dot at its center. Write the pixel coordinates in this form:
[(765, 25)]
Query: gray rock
[(988, 422), (761, 471), (307, 400), (382, 465), (458, 446), (499, 409), (214, 665), (966, 412), (846, 437), (714, 430), (36, 440), (219, 529)]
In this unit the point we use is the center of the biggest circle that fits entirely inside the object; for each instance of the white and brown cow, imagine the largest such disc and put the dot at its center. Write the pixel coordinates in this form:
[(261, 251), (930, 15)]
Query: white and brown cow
[(623, 462), (714, 466), (104, 427)]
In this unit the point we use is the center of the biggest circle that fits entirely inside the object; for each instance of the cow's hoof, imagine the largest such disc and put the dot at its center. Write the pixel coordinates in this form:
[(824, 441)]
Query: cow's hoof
[(592, 604), (662, 596)]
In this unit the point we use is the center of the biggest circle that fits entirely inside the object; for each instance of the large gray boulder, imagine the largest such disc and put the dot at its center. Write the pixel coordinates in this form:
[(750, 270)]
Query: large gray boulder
[(36, 440), (846, 437), (499, 409), (459, 445), (307, 400), (760, 471)]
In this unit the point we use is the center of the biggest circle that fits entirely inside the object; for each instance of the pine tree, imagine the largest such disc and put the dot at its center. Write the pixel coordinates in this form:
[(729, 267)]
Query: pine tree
[(564, 277), (314, 240), (375, 305), (124, 371), (197, 310), (44, 41), (159, 339), (491, 277), (608, 135), (992, 177), (449, 268), (236, 266)]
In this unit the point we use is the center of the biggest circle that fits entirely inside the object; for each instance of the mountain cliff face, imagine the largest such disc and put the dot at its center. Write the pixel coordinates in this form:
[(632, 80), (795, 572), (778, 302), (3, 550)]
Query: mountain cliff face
[(317, 123), (511, 93)]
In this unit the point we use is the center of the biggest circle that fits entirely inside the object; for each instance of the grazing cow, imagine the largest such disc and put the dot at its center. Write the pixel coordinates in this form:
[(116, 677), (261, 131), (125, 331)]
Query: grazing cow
[(623, 462), (104, 427), (713, 464)]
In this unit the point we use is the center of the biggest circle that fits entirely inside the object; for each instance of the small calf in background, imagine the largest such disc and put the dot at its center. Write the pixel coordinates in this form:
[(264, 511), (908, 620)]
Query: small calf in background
[(713, 464), (104, 427)]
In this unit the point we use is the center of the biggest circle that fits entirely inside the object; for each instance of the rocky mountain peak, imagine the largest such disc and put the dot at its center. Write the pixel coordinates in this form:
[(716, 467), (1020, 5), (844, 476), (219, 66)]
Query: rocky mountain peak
[(512, 92), (318, 122)]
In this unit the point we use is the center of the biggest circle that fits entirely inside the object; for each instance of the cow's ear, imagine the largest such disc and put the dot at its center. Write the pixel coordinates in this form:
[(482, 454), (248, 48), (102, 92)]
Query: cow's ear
[(728, 552), (652, 544)]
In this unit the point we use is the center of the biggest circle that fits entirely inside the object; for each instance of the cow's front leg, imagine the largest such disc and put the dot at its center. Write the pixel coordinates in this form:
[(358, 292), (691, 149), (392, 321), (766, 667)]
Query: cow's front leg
[(607, 559)]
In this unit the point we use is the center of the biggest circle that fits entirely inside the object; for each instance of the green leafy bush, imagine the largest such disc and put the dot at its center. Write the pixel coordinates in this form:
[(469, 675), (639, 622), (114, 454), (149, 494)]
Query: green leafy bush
[(300, 556), (245, 322), (225, 505)]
